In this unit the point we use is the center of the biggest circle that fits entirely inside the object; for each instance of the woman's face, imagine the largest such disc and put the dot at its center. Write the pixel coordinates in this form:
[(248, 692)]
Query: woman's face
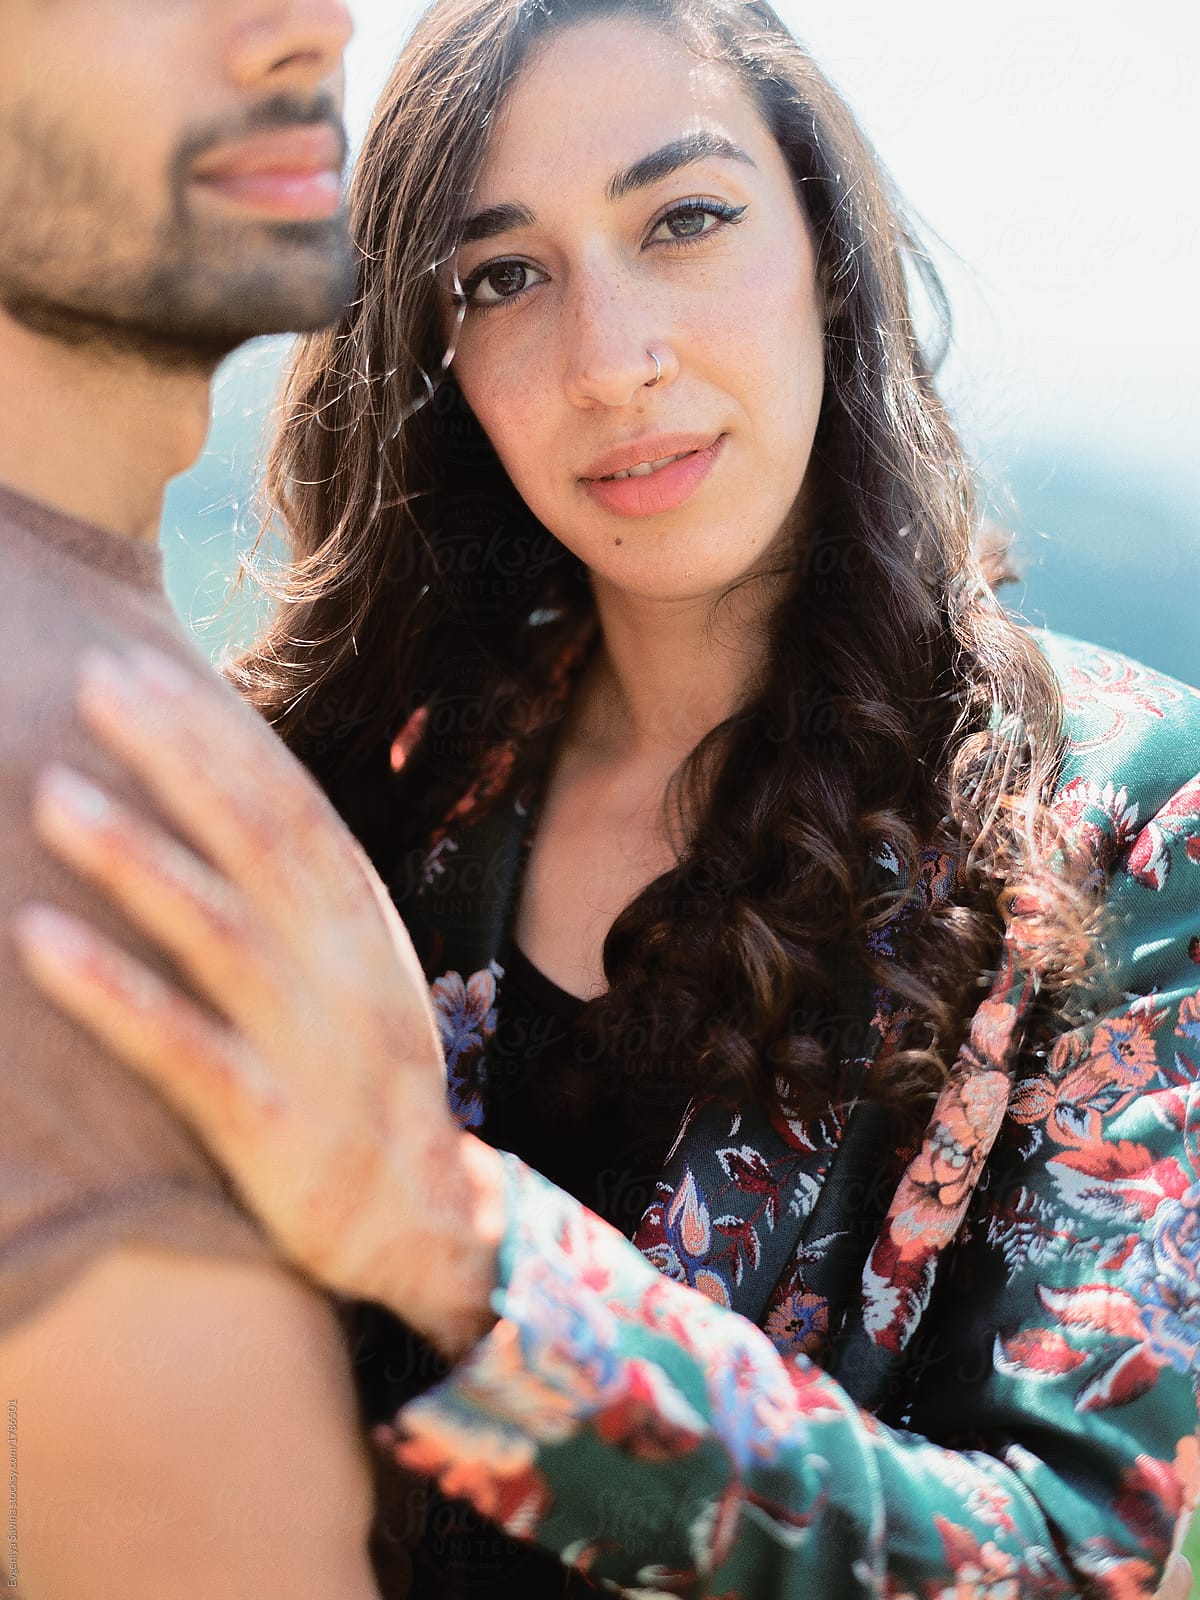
[(632, 202)]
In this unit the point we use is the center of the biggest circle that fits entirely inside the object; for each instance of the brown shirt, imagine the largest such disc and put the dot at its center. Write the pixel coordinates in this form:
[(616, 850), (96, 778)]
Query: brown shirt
[(89, 1156)]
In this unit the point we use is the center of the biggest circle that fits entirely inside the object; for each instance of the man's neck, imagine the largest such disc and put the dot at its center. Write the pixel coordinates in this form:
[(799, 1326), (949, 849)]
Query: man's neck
[(94, 433)]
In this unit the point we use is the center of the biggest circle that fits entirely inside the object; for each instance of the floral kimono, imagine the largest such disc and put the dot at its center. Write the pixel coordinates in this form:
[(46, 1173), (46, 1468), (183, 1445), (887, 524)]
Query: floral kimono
[(822, 1368)]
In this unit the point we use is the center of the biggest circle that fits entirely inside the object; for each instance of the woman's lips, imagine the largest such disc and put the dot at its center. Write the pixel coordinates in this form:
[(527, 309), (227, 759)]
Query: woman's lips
[(662, 490)]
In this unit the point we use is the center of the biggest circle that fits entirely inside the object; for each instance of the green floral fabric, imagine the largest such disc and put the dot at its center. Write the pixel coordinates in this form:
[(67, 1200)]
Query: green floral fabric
[(825, 1366)]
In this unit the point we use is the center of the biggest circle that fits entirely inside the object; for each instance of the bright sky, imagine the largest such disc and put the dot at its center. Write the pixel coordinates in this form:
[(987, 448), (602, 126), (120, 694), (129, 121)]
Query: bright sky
[(1051, 145)]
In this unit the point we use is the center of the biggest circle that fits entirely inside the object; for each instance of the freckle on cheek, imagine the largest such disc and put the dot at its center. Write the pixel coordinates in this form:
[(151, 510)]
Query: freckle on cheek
[(618, 541)]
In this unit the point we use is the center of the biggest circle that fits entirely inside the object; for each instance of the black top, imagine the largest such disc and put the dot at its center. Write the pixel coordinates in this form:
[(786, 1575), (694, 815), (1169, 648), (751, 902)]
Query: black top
[(532, 1110), (547, 1105)]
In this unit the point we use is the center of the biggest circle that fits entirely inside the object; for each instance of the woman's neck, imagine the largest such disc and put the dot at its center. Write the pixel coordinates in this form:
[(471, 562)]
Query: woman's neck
[(667, 673)]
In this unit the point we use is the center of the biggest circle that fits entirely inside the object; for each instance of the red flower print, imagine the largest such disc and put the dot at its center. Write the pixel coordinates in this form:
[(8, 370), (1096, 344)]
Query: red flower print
[(1037, 1353), (1113, 689), (634, 1422), (930, 1203), (1151, 857), (940, 1180), (981, 1571), (1091, 1077), (1151, 1497), (1098, 819)]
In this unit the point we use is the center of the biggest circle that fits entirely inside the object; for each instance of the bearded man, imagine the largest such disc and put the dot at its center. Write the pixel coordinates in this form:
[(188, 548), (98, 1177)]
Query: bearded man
[(181, 1420)]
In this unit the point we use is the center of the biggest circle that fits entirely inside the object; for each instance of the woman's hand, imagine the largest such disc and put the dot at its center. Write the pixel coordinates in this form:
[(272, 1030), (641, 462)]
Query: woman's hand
[(319, 1082)]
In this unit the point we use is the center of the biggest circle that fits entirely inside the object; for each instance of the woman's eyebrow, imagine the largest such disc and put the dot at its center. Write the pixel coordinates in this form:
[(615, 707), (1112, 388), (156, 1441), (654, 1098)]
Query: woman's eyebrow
[(703, 145), (496, 219)]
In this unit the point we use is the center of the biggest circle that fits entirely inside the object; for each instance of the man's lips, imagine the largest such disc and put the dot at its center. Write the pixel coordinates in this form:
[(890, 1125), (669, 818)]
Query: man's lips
[(289, 173)]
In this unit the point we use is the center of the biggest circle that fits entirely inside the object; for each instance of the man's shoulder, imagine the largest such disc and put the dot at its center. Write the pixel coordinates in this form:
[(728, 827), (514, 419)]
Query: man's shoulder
[(49, 620), (90, 1156), (1125, 723)]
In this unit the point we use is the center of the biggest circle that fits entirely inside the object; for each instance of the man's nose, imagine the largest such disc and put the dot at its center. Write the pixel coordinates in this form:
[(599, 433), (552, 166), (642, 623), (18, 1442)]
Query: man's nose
[(284, 46)]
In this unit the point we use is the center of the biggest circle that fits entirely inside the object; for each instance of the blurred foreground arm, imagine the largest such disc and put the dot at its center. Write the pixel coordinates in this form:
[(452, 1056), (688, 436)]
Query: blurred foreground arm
[(186, 1427)]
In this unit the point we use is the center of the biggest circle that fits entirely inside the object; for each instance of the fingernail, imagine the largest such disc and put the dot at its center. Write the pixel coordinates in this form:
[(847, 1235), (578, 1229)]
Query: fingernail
[(49, 929), (83, 802), (162, 676), (100, 670)]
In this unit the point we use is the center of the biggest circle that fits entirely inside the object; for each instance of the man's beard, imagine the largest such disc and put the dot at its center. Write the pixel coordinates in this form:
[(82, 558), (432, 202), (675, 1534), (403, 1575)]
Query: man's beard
[(79, 264)]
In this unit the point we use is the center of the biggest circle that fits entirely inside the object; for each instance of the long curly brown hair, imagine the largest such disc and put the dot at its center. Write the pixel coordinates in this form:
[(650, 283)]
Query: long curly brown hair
[(902, 709)]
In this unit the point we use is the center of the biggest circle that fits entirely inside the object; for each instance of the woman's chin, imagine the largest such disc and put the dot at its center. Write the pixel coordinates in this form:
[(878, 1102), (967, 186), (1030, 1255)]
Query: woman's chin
[(648, 582)]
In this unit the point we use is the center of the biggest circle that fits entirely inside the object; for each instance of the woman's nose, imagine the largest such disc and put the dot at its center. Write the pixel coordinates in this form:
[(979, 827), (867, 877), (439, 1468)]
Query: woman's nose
[(613, 348)]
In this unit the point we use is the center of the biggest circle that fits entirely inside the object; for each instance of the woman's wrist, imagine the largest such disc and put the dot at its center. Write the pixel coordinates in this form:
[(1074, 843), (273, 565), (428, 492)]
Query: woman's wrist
[(452, 1259)]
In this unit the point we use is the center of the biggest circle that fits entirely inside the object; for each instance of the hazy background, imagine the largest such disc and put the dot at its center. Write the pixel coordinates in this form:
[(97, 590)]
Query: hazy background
[(1049, 152)]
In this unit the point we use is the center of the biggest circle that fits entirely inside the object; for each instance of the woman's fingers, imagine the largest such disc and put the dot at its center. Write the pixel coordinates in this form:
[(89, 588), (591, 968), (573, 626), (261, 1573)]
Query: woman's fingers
[(337, 1164), (324, 1090), (199, 1066), (177, 901), (284, 1165), (1177, 1580), (221, 777)]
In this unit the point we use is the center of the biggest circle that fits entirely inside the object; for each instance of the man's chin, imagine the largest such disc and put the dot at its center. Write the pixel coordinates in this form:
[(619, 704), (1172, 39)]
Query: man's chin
[(191, 315), (236, 283), (108, 337)]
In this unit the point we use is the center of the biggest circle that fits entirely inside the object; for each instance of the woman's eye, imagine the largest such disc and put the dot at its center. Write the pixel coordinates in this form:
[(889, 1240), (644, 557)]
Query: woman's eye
[(688, 224), (500, 281), (693, 221)]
